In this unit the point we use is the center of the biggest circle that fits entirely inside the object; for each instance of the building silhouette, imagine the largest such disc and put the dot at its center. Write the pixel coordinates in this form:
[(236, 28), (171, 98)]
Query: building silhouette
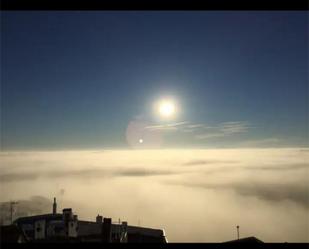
[(66, 226)]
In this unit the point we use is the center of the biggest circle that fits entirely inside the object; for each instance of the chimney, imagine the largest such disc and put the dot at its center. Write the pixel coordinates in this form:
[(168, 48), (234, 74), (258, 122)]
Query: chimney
[(99, 219), (67, 214), (107, 230), (54, 206), (67, 217)]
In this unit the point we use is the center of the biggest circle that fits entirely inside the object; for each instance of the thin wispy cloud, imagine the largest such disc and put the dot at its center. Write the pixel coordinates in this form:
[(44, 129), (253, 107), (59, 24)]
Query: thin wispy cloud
[(224, 129), (196, 126), (234, 127), (209, 135), (203, 131), (172, 126)]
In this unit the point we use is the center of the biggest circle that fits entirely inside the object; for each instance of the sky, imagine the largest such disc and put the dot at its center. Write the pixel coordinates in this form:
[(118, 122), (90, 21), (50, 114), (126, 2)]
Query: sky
[(80, 120), (85, 80)]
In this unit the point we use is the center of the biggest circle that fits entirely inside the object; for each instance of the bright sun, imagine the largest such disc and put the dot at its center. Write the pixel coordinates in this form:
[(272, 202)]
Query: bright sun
[(167, 108)]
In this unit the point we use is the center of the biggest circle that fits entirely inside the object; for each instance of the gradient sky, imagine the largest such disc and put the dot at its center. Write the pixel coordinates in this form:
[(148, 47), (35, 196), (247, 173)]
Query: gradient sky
[(77, 79)]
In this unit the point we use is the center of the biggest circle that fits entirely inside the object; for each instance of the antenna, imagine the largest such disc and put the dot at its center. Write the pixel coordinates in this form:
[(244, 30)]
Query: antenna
[(237, 232), (11, 209), (54, 206)]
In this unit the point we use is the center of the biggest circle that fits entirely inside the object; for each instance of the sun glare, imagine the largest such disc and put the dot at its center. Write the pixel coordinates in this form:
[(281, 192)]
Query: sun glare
[(167, 108)]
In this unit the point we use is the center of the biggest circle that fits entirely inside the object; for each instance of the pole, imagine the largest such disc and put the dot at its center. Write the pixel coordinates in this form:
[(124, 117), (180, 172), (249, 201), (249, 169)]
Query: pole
[(11, 209), (237, 232)]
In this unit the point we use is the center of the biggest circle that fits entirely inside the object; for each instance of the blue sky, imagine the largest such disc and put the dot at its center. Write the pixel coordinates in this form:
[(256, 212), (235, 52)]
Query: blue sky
[(77, 79)]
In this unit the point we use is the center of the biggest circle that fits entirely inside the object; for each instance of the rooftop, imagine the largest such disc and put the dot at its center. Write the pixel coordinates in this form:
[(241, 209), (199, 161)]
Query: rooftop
[(251, 239), (31, 219)]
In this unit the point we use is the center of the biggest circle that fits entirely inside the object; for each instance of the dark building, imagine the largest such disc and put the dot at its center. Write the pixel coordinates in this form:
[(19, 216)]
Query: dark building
[(27, 224), (90, 231), (245, 240), (145, 235), (12, 234), (56, 227)]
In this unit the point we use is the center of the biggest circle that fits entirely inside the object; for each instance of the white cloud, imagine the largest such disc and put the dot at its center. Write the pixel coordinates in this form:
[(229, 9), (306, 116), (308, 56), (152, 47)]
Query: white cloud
[(265, 189), (209, 135), (196, 126), (170, 127)]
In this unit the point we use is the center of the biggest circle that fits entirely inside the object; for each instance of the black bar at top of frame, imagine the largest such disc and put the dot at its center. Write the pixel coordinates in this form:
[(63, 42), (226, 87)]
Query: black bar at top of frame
[(154, 5)]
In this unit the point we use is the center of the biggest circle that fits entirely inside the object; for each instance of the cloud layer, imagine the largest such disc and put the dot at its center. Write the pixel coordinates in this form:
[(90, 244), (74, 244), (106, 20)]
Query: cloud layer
[(206, 192)]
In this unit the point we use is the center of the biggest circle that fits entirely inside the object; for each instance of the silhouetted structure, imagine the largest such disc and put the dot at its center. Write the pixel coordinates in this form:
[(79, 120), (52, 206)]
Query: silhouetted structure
[(143, 234), (54, 206), (107, 230), (12, 234), (245, 240), (56, 227)]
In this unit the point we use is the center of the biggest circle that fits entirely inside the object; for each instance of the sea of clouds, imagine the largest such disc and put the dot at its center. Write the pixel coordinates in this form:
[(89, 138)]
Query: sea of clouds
[(195, 195)]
